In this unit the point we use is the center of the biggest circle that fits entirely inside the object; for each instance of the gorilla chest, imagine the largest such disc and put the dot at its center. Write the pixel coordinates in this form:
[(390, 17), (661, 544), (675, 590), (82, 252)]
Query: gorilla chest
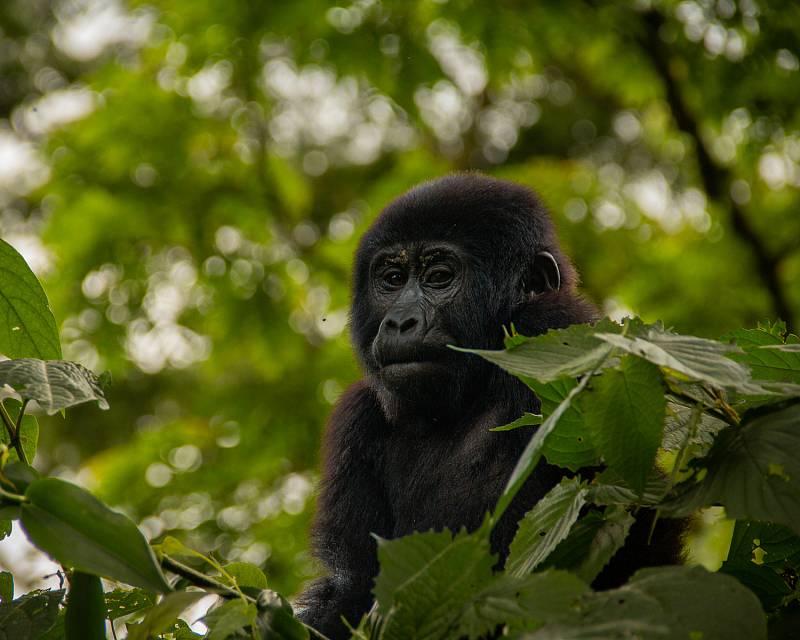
[(436, 481)]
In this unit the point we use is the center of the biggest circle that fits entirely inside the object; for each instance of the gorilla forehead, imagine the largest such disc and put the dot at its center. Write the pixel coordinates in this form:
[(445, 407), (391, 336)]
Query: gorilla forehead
[(486, 216)]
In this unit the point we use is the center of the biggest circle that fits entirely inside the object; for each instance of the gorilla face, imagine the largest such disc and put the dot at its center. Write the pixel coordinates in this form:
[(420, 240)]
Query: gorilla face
[(415, 290), (447, 264)]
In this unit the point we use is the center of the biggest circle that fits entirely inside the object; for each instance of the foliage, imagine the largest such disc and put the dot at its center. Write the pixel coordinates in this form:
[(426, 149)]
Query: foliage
[(442, 586), (189, 181)]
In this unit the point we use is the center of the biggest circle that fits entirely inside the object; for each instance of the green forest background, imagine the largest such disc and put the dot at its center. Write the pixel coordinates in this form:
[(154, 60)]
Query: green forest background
[(190, 177)]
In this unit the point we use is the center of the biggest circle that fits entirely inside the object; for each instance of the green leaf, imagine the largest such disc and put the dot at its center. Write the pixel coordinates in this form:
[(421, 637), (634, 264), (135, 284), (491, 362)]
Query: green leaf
[(544, 526), (688, 357), (608, 488), (16, 476), (766, 583), (276, 620), (752, 470), (608, 538), (570, 445), (774, 545), (79, 531), (764, 557), (533, 451), (557, 354), (27, 326), (766, 354), (54, 384), (56, 631), (123, 602), (245, 574), (526, 420), (228, 618), (6, 586), (86, 608), (28, 432), (28, 617), (593, 541), (676, 424), (163, 615), (426, 579), (518, 602), (182, 631), (674, 603), (626, 419)]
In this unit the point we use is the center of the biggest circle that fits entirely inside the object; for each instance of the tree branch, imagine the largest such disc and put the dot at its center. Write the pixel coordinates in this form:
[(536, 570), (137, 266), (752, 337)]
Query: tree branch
[(715, 178)]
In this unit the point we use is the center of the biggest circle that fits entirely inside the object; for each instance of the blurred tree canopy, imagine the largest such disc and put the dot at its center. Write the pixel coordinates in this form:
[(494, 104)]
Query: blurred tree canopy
[(190, 180)]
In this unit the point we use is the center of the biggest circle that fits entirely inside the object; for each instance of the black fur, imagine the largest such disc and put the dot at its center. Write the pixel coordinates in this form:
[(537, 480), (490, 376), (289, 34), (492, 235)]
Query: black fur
[(416, 453)]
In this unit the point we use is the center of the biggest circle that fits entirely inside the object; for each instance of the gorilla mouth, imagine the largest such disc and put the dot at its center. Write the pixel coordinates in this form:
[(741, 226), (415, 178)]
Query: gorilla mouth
[(422, 355)]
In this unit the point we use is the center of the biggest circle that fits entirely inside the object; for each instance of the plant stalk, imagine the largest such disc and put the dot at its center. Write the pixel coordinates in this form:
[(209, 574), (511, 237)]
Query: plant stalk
[(13, 430)]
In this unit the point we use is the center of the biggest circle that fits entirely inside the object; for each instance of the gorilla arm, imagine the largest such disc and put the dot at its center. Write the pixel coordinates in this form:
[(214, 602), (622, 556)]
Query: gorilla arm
[(351, 507)]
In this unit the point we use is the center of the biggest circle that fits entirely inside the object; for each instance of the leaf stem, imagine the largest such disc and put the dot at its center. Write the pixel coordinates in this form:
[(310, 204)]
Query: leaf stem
[(199, 579), (13, 431), (691, 432), (12, 497), (17, 441), (721, 415)]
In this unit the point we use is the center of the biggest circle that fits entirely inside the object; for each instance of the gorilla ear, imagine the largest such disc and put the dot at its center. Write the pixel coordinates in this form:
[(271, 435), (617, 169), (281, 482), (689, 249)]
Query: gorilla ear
[(544, 274)]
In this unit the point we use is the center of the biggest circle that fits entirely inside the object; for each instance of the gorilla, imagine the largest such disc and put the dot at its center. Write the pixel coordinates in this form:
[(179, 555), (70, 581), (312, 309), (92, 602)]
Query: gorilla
[(408, 448)]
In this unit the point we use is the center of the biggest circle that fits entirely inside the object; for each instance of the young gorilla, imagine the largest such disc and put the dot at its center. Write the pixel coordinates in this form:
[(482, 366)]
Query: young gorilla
[(408, 448)]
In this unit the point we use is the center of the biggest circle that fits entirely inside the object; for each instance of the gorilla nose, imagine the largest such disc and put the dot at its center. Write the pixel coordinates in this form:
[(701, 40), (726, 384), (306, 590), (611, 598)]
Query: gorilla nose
[(401, 324)]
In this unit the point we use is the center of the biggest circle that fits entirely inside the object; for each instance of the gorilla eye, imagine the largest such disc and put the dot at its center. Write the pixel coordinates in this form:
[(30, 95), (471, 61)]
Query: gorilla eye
[(393, 279), (439, 277)]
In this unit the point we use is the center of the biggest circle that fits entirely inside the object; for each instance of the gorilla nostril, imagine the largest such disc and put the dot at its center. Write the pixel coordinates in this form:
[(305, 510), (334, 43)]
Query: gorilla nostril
[(408, 324)]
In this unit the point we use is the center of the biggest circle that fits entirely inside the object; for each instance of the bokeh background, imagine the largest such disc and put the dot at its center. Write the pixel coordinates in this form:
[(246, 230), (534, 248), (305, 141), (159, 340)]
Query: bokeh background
[(189, 178)]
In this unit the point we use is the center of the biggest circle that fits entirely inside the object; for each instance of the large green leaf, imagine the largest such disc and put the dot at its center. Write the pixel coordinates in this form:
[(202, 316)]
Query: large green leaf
[(527, 602), (426, 579), (570, 444), (53, 384), (767, 355), (752, 470), (688, 357), (557, 354), (625, 414), (767, 584), (27, 326), (85, 618), (30, 616), (79, 531), (544, 526), (674, 603), (765, 557)]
